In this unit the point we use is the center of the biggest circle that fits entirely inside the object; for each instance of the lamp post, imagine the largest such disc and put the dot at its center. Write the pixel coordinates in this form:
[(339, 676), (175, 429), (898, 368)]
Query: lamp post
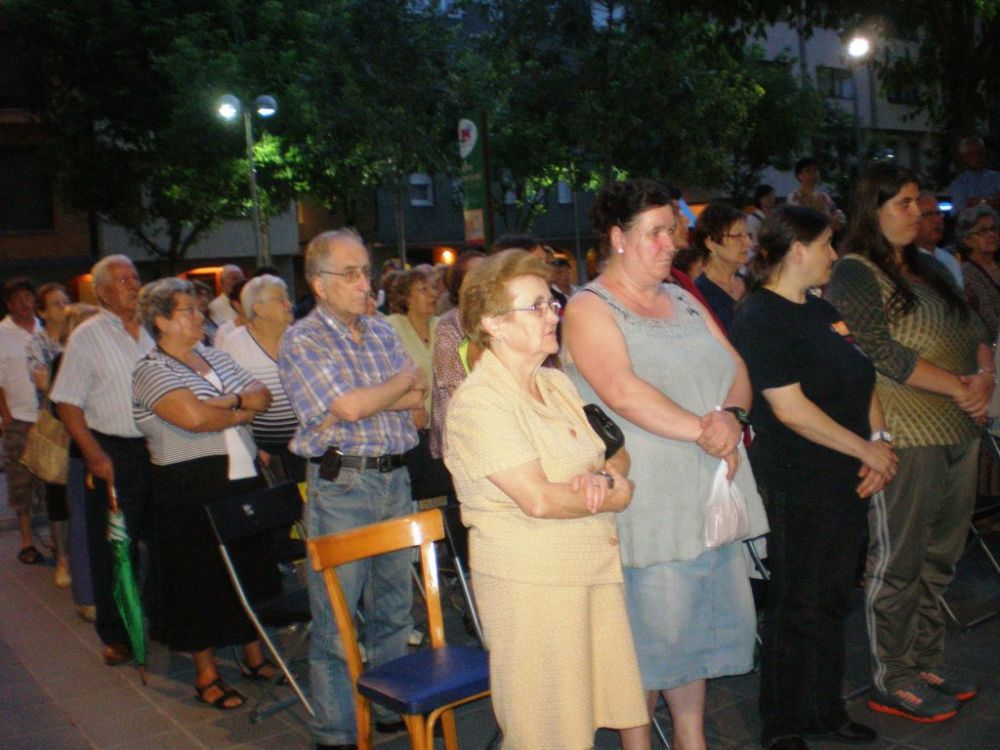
[(265, 106), (858, 49)]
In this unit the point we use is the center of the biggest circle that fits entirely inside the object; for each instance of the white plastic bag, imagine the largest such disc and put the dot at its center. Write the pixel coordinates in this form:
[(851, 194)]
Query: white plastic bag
[(726, 517)]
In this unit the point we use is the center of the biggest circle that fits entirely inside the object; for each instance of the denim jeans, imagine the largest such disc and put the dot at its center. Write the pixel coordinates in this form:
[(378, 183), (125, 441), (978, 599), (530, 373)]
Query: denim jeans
[(383, 584)]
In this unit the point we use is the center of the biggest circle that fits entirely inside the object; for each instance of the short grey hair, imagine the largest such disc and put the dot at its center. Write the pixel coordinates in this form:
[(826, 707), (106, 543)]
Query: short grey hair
[(101, 272), (254, 289), (160, 298), (320, 246), (970, 216)]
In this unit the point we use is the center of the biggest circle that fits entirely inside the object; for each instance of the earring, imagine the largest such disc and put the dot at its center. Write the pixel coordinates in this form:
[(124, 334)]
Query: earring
[(620, 251)]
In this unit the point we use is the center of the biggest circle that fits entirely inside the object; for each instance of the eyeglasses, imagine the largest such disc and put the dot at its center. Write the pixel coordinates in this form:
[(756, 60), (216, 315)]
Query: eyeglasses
[(190, 310), (931, 214), (538, 308), (281, 300), (352, 275), (738, 235), (985, 230)]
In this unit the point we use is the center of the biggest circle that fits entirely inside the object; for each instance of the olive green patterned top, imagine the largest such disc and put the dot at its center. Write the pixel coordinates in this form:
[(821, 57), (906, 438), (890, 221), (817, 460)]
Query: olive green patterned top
[(915, 417)]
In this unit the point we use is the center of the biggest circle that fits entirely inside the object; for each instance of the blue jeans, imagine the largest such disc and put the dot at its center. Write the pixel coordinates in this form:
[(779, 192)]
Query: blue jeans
[(356, 498)]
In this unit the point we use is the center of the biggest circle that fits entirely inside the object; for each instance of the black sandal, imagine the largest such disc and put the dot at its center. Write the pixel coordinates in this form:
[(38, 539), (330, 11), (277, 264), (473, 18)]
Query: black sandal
[(255, 673), (220, 702), (30, 555)]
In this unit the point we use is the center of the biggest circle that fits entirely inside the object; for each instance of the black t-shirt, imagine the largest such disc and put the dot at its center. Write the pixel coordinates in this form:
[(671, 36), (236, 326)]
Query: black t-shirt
[(782, 343)]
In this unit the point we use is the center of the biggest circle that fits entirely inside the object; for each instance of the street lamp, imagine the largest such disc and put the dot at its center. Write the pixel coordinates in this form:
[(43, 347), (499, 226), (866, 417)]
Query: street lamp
[(858, 49), (265, 106)]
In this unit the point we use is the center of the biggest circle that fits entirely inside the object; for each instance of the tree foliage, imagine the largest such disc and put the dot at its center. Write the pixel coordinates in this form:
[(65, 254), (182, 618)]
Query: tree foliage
[(582, 91)]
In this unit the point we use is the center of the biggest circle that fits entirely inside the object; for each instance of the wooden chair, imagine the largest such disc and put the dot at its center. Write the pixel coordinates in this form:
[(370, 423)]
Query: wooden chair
[(422, 686)]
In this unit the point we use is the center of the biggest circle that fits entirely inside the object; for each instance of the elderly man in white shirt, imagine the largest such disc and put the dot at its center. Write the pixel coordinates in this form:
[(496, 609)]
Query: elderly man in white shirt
[(930, 230), (93, 394), (18, 406), (220, 309)]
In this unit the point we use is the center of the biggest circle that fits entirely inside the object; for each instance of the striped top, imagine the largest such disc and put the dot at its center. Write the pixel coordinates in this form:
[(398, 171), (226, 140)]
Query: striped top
[(319, 361), (930, 331), (96, 373), (277, 424), (156, 375)]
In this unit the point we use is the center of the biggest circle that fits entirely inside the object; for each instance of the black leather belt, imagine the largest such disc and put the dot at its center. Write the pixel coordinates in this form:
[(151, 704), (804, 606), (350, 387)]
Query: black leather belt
[(382, 464)]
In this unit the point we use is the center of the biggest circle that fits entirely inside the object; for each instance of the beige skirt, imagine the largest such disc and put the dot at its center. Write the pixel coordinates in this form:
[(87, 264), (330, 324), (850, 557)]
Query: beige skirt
[(562, 663)]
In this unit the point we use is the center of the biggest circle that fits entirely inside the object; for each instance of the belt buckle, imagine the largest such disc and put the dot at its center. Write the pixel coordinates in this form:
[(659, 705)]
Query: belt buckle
[(383, 464)]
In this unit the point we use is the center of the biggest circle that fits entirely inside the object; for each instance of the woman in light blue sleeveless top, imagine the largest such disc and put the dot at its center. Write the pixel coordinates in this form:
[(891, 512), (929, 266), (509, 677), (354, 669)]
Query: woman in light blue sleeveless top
[(652, 357)]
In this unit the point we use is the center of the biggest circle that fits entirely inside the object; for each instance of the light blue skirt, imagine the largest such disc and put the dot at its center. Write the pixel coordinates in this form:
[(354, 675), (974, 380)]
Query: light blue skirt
[(692, 620)]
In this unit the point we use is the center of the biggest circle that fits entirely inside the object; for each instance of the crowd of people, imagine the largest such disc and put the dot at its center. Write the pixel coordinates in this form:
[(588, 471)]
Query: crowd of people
[(841, 393)]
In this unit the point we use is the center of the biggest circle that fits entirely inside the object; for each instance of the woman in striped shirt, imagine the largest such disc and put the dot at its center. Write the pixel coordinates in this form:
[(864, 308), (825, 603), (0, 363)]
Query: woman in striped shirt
[(193, 404), (254, 347)]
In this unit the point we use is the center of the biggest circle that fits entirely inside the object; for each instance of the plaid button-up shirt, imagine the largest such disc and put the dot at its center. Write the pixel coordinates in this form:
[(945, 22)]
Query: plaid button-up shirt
[(320, 361)]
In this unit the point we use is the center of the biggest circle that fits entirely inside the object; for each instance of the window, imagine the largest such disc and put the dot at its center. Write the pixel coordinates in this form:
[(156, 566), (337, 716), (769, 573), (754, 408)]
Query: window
[(564, 193), (835, 83), (421, 190), (25, 192), (900, 93)]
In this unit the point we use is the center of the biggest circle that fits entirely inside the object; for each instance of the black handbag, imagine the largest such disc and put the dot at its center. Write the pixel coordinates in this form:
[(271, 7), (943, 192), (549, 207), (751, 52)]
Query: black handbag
[(606, 429)]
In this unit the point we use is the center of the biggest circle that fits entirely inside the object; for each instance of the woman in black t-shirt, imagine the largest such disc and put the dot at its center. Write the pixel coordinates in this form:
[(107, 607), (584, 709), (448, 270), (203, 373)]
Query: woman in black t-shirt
[(814, 410)]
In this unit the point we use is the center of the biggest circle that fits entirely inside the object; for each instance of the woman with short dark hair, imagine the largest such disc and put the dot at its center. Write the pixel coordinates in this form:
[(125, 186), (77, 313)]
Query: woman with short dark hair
[(650, 353), (721, 236)]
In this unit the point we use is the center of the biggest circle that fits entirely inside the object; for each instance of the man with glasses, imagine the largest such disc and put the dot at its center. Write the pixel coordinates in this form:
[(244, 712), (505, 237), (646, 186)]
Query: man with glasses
[(929, 234), (93, 395), (352, 388)]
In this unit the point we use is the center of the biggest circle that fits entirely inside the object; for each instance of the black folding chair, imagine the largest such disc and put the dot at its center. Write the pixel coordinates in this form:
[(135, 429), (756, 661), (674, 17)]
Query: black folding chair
[(267, 511), (986, 513)]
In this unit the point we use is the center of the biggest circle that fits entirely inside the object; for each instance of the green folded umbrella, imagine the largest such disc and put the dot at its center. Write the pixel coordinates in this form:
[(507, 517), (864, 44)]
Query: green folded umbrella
[(126, 587)]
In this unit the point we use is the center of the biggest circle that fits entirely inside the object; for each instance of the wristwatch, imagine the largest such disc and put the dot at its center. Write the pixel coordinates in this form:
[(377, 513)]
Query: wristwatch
[(740, 413), (884, 435)]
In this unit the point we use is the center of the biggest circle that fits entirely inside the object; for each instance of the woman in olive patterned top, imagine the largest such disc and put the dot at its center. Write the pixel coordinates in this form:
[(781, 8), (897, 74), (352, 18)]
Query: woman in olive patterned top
[(935, 379)]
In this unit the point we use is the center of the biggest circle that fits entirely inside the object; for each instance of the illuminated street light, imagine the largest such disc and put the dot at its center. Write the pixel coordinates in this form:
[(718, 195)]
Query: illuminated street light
[(265, 106), (859, 47)]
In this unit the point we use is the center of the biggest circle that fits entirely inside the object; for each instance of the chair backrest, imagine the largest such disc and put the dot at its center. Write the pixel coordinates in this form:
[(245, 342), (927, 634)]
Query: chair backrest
[(272, 508), (328, 552)]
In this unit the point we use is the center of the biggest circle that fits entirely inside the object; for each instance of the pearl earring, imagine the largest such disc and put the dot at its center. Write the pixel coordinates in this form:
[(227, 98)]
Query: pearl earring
[(621, 251)]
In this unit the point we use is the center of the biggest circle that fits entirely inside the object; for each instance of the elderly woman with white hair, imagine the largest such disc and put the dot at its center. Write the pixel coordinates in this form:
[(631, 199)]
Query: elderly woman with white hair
[(193, 405), (978, 241), (254, 347)]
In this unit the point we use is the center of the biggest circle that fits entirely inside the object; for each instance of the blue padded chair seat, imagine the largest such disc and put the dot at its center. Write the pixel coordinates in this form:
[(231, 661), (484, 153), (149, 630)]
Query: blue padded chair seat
[(427, 679)]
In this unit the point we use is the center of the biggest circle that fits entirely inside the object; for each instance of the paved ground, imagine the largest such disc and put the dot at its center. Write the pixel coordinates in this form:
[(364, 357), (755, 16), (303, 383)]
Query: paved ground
[(56, 694)]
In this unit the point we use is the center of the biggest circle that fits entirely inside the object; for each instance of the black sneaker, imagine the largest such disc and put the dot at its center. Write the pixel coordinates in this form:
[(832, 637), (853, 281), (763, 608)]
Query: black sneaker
[(947, 684)]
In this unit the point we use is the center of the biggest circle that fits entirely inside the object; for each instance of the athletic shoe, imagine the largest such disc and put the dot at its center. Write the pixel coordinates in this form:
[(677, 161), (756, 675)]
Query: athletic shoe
[(948, 684), (916, 702)]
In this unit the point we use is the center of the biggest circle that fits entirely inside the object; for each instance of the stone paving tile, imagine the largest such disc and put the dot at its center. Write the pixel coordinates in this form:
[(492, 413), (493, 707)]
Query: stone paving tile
[(56, 693)]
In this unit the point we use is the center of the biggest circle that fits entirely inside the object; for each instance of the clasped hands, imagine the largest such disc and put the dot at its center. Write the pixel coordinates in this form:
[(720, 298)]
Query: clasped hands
[(599, 495), (974, 394), (720, 436)]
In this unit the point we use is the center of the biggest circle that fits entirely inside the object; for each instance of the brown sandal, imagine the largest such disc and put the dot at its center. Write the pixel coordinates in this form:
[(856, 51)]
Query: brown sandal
[(227, 693), (258, 672)]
